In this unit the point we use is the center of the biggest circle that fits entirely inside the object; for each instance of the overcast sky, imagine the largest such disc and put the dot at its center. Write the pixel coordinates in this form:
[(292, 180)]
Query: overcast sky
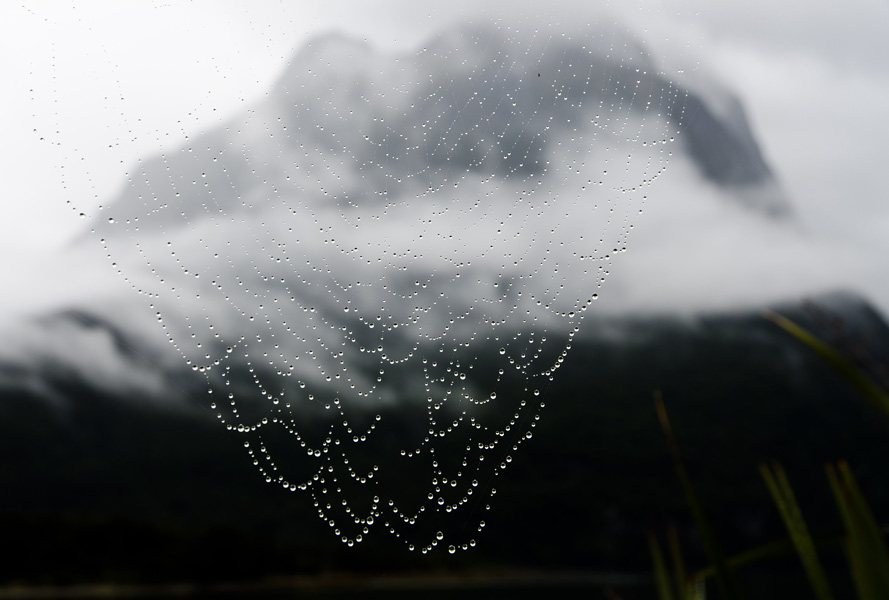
[(811, 74)]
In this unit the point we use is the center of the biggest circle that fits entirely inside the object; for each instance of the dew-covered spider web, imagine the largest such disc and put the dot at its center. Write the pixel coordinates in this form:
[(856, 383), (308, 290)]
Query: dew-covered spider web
[(379, 265)]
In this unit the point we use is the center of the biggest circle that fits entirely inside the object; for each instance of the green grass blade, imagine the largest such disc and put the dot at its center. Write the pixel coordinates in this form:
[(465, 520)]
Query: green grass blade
[(872, 539), (724, 577), (865, 575), (860, 381), (784, 498), (866, 516), (777, 549), (661, 576), (680, 575), (854, 551)]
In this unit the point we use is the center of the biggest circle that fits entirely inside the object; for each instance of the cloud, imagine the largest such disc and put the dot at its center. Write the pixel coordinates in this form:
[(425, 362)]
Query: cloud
[(690, 252)]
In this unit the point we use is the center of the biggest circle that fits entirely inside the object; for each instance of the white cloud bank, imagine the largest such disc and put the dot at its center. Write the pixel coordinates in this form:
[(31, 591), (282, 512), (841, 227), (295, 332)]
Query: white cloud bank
[(809, 74)]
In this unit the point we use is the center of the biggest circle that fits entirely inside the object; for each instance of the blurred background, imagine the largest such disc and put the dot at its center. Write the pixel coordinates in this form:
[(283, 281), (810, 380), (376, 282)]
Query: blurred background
[(417, 271)]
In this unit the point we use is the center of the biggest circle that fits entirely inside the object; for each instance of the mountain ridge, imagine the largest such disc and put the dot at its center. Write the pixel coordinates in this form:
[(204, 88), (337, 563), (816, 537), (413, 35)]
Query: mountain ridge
[(338, 109)]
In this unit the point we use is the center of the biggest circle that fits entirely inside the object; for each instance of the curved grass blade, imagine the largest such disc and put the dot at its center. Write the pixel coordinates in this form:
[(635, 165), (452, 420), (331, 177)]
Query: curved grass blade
[(777, 549), (860, 381), (866, 545), (684, 588), (784, 498), (873, 542), (855, 550), (661, 576), (724, 577)]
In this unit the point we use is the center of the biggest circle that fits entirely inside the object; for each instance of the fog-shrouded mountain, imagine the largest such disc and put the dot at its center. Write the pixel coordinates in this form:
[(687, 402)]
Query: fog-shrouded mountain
[(486, 182), (473, 101), (376, 273)]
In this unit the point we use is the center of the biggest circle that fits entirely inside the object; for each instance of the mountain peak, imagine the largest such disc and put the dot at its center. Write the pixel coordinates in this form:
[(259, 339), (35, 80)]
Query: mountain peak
[(475, 98)]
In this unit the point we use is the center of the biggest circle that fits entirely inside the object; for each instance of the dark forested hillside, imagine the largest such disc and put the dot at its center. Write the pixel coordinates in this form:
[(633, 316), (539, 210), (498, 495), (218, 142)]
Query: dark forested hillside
[(98, 487)]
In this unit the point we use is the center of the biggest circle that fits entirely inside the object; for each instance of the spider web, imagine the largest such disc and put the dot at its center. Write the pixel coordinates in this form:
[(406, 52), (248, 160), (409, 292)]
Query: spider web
[(380, 265)]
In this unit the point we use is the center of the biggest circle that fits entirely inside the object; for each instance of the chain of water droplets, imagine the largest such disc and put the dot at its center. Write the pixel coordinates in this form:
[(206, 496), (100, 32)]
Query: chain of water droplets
[(435, 348)]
